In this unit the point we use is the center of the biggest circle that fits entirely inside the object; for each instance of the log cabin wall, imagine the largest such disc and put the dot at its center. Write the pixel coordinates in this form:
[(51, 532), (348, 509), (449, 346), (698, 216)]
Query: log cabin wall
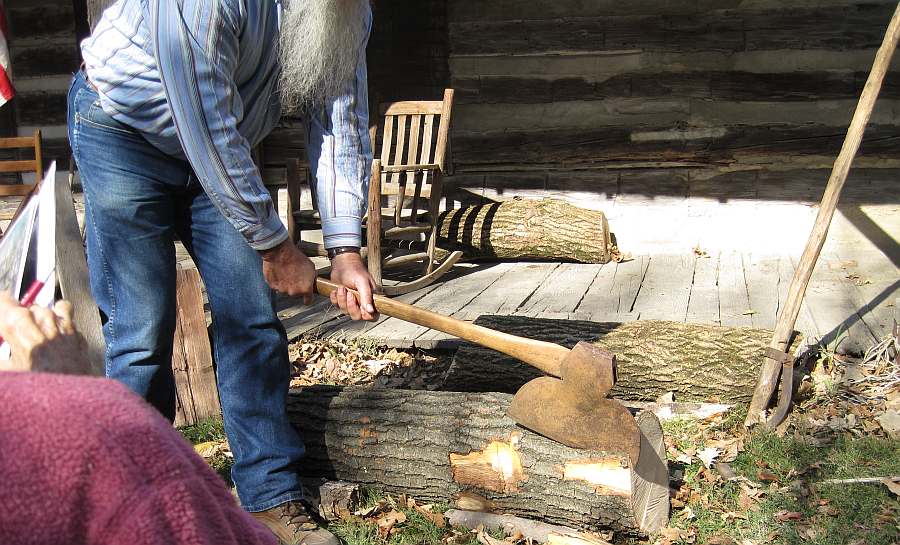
[(44, 55), (407, 59), (728, 109), (407, 56), (724, 108)]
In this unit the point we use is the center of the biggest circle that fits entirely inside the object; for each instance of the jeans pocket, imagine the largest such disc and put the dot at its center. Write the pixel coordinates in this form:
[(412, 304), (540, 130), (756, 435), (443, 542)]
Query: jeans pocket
[(95, 117)]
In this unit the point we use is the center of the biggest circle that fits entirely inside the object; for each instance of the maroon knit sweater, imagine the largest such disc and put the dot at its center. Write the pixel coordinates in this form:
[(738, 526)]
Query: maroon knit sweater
[(85, 461)]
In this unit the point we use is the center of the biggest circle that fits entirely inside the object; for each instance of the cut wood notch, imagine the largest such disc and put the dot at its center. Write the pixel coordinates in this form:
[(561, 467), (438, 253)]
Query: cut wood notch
[(572, 408)]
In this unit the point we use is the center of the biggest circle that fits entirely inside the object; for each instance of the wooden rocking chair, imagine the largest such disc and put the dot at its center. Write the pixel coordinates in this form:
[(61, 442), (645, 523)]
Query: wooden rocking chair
[(404, 195), (410, 183)]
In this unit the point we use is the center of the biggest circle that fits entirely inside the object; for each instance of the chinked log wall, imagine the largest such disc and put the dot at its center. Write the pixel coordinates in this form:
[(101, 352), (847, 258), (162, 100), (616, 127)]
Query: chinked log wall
[(732, 99), (683, 98), (44, 55), (407, 56)]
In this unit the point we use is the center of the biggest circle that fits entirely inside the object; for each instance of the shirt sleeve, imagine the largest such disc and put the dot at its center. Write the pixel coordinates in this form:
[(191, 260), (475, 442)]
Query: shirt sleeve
[(340, 156), (197, 49)]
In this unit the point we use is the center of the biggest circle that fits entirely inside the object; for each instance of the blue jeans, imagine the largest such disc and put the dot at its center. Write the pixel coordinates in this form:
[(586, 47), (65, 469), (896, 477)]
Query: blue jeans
[(137, 200)]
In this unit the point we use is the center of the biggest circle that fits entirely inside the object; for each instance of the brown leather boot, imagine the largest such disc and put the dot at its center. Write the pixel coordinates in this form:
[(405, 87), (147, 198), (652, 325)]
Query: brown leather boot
[(292, 525)]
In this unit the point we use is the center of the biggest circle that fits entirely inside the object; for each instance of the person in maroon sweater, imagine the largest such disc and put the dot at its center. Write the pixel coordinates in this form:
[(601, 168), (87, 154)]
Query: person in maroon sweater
[(85, 461)]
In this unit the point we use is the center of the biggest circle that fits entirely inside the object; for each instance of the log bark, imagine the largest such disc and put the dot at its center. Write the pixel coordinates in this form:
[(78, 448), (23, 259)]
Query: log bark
[(527, 229), (463, 449), (697, 362)]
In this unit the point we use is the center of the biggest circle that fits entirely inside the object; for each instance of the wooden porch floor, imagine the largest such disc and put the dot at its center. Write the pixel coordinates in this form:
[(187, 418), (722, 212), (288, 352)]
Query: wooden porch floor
[(853, 294)]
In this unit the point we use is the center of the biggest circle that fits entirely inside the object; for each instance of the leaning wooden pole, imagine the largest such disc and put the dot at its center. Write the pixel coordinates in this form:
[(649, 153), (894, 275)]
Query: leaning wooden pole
[(784, 326), (462, 449)]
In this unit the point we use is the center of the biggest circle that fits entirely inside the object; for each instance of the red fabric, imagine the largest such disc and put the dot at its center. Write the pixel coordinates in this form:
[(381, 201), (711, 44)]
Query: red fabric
[(84, 461), (7, 91)]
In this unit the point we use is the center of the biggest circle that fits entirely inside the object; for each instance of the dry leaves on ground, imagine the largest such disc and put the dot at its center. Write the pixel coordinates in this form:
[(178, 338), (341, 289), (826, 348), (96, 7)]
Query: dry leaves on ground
[(856, 396), (353, 362)]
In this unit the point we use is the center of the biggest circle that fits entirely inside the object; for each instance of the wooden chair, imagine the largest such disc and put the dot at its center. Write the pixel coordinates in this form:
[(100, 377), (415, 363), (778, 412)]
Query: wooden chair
[(15, 166), (414, 143), (404, 194)]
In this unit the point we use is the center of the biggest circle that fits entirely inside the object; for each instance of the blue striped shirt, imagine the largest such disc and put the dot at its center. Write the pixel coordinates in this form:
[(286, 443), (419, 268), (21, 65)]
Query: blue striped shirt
[(199, 78)]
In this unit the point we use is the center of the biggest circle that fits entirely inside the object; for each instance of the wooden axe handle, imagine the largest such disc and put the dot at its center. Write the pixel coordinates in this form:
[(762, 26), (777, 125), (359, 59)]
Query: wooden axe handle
[(542, 355)]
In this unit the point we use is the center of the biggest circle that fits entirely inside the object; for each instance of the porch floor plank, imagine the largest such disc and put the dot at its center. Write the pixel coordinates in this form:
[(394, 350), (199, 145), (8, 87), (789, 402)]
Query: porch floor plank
[(561, 291), (734, 301), (666, 289), (762, 288), (611, 296), (833, 310), (703, 302)]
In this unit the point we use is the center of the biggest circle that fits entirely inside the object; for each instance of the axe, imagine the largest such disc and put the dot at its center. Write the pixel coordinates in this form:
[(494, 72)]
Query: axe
[(569, 406)]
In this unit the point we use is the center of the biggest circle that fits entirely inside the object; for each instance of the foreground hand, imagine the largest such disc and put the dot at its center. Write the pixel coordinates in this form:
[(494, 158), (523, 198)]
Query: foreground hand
[(41, 339), (348, 270), (289, 271)]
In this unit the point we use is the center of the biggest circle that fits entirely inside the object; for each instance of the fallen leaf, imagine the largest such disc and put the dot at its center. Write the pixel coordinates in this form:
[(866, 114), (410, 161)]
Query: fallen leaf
[(670, 535), (720, 540), (387, 521), (892, 484), (708, 455), (890, 423), (436, 518), (784, 516), (807, 533), (766, 476), (683, 458), (210, 449)]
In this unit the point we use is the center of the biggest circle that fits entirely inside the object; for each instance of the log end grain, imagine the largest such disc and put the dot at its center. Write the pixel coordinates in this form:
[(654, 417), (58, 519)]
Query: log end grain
[(650, 478)]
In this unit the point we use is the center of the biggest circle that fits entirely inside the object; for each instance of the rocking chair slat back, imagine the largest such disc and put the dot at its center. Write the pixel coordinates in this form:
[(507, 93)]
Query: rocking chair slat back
[(412, 161)]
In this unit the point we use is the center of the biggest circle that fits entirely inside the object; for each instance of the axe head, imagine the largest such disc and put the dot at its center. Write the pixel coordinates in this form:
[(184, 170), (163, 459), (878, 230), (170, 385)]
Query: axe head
[(574, 410)]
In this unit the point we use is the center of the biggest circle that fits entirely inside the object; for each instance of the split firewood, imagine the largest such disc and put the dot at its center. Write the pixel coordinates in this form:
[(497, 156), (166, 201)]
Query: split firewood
[(697, 362), (463, 449), (336, 500), (675, 410), (532, 530)]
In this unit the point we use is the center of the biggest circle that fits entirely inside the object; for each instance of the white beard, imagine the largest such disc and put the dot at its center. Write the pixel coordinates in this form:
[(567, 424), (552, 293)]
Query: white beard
[(320, 44)]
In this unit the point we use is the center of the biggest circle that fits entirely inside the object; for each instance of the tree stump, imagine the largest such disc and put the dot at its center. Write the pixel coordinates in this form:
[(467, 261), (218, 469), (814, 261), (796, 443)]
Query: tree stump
[(463, 449), (527, 229), (697, 362)]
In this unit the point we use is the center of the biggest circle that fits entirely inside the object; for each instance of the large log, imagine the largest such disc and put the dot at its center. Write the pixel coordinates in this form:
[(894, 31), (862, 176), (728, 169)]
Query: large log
[(463, 449), (527, 229), (697, 362)]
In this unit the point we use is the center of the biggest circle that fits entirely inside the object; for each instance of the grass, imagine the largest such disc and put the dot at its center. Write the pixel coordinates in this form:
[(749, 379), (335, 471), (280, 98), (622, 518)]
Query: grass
[(780, 496), (205, 431), (212, 429), (416, 530), (792, 470), (829, 514)]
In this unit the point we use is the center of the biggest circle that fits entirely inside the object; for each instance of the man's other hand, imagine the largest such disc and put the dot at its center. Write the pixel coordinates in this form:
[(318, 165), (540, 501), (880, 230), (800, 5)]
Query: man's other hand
[(289, 271), (42, 339), (349, 271)]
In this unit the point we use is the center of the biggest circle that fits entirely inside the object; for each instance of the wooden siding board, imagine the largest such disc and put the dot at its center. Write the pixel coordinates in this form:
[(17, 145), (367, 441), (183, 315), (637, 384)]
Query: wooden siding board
[(723, 145), (798, 86)]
